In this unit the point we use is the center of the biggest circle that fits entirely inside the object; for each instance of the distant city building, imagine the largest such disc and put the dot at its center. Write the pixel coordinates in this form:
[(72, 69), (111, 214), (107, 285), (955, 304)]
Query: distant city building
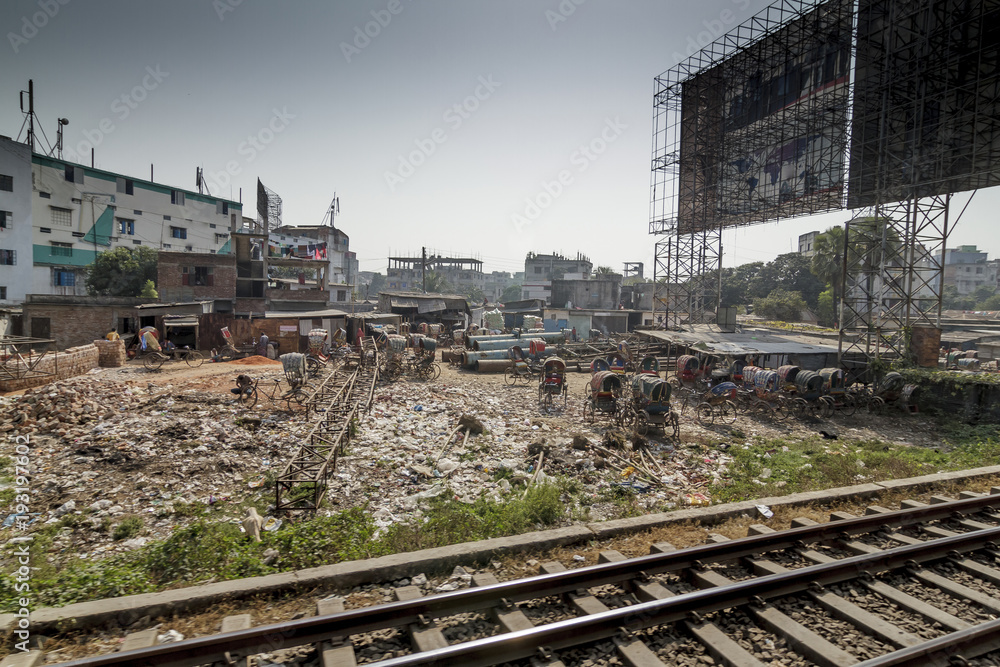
[(807, 243), (541, 270), (968, 269), (321, 242), (463, 274)]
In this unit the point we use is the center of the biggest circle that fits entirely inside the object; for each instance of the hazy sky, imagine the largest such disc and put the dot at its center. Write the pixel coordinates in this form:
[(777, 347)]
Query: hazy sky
[(438, 123)]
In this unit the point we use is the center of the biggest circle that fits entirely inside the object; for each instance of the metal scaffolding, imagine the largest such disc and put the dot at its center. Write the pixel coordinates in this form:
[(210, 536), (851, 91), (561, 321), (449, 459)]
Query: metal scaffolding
[(907, 92), (752, 128)]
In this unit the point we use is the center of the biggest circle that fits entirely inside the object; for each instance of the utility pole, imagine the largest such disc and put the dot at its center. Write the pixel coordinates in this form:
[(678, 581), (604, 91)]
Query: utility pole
[(423, 268)]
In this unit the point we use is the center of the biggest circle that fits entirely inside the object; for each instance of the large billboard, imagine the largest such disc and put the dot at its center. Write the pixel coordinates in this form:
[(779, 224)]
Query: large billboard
[(763, 134), (927, 99)]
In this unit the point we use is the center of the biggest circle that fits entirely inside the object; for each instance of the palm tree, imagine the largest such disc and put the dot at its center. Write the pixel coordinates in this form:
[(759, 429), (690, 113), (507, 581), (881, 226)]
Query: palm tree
[(436, 282), (828, 260)]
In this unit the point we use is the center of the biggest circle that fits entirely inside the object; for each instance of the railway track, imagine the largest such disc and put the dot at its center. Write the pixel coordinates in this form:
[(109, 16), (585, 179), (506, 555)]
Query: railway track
[(914, 586)]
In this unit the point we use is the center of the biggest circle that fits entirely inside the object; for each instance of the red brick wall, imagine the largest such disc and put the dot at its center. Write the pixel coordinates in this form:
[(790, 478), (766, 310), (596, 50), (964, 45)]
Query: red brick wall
[(76, 325), (70, 363), (249, 306), (170, 277)]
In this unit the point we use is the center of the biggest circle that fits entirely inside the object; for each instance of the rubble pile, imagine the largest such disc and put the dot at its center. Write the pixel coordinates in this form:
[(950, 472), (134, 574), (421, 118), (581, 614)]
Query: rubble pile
[(115, 444)]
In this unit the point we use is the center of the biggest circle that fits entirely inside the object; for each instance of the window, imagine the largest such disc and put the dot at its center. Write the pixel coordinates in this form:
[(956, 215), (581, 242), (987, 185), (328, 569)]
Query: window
[(198, 275), (166, 217), (45, 230), (177, 197), (74, 174), (212, 226), (44, 195), (222, 208), (137, 212), (341, 295), (3, 293), (979, 269), (166, 245), (136, 242), (8, 257), (61, 249), (6, 219), (62, 278), (63, 217), (6, 183), (178, 233), (78, 235), (76, 201), (126, 227), (124, 185), (538, 269)]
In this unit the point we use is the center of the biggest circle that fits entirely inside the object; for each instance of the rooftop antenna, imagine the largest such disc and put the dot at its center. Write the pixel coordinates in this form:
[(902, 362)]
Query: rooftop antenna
[(199, 179), (334, 210), (63, 122)]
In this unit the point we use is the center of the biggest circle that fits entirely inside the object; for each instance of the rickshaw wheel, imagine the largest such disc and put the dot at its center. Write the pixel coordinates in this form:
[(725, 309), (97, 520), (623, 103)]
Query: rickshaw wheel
[(227, 354), (588, 412), (783, 410), (295, 398), (194, 359), (705, 413), (642, 422), (248, 398), (437, 371), (876, 405), (800, 408), (849, 406), (313, 366), (675, 424), (675, 383), (826, 406), (510, 377), (727, 412), (153, 361)]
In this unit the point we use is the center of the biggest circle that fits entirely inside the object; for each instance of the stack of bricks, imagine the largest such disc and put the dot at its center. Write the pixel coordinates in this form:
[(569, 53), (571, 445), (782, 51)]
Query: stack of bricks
[(58, 365), (111, 353)]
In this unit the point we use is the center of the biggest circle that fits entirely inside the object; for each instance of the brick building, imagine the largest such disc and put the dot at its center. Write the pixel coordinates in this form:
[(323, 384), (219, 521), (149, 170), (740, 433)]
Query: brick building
[(75, 320), (184, 276)]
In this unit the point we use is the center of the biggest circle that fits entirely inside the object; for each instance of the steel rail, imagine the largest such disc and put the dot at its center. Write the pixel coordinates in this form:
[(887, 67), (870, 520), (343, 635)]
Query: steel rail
[(625, 620), (271, 637), (940, 651)]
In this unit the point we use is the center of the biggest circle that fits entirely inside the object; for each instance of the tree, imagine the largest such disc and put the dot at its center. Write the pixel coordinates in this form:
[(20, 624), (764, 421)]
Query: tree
[(376, 285), (952, 300), (780, 304), (436, 282), (604, 271), (992, 303), (828, 263), (122, 271), (512, 293), (790, 272), (475, 294), (826, 310), (982, 293), (149, 291)]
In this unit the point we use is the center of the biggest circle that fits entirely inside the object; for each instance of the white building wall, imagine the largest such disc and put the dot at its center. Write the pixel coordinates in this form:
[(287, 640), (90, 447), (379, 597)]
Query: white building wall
[(15, 161), (68, 199)]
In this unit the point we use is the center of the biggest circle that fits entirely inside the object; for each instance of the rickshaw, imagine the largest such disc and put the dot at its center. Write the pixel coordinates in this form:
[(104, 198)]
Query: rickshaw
[(746, 394), (598, 365), (893, 390), (768, 396), (651, 405), (603, 394), (808, 390), (649, 365), (690, 372), (519, 369), (553, 381), (391, 364), (717, 404), (316, 357), (617, 363), (835, 392)]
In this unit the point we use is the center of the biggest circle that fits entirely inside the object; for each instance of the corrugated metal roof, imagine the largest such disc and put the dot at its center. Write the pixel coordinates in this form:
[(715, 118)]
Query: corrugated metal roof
[(746, 343)]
